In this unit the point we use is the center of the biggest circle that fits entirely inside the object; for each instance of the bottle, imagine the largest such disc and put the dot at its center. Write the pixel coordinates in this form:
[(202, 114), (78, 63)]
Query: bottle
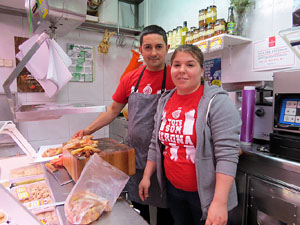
[(185, 29), (178, 36), (231, 29)]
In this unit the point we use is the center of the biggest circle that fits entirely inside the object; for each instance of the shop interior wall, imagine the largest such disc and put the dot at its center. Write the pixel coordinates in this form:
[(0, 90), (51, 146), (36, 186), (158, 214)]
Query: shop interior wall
[(107, 71), (266, 19)]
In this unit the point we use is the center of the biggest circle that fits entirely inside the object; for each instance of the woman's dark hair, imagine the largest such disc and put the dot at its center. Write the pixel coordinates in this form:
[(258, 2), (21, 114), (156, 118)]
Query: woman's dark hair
[(153, 29), (193, 50)]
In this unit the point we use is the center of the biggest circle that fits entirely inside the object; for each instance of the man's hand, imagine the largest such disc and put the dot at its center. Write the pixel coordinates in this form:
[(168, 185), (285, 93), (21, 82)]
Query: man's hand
[(144, 188), (80, 134)]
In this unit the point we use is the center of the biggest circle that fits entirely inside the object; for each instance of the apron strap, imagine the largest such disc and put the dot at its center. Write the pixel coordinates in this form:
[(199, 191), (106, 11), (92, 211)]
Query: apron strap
[(163, 86), (138, 83)]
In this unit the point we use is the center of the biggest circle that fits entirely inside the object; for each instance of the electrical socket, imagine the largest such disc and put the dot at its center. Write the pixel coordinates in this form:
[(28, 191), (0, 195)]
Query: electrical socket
[(1, 62), (8, 62)]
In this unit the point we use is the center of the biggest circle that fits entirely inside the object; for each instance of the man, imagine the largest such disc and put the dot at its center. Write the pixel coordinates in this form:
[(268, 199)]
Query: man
[(141, 89)]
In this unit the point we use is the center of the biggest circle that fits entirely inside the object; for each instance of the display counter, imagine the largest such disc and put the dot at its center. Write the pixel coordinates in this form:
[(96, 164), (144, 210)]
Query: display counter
[(122, 212), (268, 189)]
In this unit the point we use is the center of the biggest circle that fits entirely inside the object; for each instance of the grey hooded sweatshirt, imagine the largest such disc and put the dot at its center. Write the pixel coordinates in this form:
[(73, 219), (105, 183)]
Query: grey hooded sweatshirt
[(218, 127)]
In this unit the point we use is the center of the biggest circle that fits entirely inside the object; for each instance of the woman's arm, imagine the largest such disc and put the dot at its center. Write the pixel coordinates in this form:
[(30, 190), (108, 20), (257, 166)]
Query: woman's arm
[(145, 182), (217, 212)]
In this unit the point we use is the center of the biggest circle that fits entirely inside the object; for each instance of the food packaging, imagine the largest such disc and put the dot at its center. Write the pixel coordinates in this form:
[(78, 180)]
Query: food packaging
[(33, 195), (97, 190), (48, 217)]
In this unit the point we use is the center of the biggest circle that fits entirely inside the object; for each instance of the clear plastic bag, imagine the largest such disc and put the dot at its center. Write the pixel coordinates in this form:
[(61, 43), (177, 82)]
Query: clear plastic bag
[(97, 190)]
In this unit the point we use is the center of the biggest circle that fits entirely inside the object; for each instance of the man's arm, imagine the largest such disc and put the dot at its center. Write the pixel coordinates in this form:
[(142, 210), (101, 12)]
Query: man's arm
[(102, 120)]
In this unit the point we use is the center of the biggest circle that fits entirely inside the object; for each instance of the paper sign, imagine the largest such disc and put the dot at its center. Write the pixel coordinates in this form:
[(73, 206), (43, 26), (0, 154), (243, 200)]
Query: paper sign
[(212, 71), (272, 53)]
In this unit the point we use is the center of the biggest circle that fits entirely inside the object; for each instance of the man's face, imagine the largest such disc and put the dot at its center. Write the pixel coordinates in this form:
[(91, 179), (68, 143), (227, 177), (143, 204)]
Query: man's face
[(154, 50)]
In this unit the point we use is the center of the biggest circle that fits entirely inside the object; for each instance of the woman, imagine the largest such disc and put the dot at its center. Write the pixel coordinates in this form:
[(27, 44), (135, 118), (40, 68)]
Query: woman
[(194, 145)]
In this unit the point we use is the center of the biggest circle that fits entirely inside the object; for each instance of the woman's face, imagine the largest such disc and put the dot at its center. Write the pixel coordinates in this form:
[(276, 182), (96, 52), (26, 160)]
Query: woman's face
[(186, 73)]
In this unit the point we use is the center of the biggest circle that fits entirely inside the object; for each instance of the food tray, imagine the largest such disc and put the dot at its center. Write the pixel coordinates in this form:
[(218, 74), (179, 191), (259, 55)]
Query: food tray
[(42, 149)]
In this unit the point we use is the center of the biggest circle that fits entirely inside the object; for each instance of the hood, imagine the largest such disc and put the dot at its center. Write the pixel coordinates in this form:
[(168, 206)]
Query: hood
[(62, 15)]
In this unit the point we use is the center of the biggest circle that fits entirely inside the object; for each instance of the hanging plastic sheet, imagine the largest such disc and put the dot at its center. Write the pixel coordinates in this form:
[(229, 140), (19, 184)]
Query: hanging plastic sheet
[(49, 65)]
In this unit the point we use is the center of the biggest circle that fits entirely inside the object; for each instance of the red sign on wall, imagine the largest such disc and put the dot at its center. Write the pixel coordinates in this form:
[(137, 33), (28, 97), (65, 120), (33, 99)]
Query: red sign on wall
[(272, 41)]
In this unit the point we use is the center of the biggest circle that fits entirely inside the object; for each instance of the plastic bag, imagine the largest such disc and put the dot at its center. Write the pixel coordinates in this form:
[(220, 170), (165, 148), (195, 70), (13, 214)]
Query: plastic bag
[(97, 190)]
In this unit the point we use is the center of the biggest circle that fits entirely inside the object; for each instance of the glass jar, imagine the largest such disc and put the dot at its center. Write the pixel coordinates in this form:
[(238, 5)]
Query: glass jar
[(196, 35), (210, 30), (178, 36), (189, 36), (174, 39), (211, 14), (202, 33), (202, 17), (220, 26)]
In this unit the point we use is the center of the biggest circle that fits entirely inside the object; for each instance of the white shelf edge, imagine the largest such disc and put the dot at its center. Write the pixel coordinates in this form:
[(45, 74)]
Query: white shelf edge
[(229, 40)]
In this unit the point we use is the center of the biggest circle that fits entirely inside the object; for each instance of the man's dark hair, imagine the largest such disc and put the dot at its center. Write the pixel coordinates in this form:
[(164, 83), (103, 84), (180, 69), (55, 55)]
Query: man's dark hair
[(153, 29)]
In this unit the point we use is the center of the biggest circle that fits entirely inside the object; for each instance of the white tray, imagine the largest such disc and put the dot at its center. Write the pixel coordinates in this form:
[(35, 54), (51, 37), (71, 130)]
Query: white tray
[(42, 149)]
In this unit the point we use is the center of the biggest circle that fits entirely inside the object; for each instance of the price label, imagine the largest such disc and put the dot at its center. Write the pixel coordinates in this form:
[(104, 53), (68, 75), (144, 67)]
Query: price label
[(216, 44), (203, 45)]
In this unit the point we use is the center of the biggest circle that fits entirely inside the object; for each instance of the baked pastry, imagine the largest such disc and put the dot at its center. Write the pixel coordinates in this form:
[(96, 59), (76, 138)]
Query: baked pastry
[(52, 152)]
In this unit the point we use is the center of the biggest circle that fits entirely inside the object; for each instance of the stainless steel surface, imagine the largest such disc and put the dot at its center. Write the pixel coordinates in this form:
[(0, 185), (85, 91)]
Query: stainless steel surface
[(239, 86), (269, 166), (121, 213), (62, 176), (263, 122), (18, 69), (98, 27), (285, 82), (118, 129), (64, 16), (42, 111), (53, 111), (279, 202), (271, 192)]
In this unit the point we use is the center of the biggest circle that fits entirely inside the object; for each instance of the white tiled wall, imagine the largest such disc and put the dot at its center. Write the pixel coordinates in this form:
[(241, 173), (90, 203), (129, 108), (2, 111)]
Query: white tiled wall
[(107, 71)]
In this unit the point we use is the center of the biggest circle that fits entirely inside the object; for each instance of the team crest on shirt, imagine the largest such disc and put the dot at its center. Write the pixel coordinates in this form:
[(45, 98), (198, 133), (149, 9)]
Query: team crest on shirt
[(176, 114), (147, 90)]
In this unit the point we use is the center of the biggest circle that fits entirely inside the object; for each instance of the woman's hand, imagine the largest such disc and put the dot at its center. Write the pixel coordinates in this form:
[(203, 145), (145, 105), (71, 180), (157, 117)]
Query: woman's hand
[(144, 188), (217, 214)]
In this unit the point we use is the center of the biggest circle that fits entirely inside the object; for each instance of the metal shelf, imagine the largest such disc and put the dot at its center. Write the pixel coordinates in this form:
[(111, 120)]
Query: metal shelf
[(132, 1), (91, 26), (100, 27), (227, 42)]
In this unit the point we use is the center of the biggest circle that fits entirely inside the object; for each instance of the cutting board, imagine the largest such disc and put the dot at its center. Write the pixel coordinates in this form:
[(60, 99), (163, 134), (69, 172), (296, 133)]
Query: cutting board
[(119, 155)]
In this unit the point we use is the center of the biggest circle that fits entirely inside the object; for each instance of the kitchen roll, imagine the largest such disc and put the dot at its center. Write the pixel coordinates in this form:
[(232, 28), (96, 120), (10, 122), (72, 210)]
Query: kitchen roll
[(248, 110)]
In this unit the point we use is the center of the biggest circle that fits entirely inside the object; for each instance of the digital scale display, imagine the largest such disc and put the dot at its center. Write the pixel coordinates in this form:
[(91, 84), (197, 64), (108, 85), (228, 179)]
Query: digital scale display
[(290, 112)]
